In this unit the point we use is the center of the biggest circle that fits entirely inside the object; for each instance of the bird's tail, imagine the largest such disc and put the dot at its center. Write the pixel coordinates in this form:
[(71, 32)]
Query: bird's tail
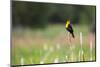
[(73, 35)]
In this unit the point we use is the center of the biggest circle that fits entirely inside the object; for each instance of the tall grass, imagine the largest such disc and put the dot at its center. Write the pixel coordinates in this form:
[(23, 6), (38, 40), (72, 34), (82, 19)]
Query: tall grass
[(51, 42)]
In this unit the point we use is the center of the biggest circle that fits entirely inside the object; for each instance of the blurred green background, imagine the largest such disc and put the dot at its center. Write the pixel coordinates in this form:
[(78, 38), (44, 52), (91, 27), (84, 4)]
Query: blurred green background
[(39, 15), (39, 34)]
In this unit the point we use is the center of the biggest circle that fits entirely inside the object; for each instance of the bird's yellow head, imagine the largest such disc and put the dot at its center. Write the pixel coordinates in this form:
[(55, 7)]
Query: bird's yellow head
[(67, 23)]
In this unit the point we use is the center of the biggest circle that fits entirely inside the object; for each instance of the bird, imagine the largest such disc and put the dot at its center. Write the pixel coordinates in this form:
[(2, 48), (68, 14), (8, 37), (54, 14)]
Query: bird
[(69, 28)]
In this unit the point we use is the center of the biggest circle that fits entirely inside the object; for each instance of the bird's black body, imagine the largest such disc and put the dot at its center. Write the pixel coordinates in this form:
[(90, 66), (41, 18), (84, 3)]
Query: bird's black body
[(70, 29)]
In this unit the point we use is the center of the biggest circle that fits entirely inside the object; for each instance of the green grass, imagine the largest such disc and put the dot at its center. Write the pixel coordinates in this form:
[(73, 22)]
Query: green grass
[(28, 44)]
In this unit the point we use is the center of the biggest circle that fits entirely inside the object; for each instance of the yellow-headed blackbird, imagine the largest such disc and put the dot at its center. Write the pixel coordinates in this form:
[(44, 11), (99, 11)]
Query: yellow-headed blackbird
[(69, 28)]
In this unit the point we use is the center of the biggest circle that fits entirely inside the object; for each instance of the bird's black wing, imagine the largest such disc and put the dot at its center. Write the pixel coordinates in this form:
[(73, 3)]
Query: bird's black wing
[(70, 28)]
